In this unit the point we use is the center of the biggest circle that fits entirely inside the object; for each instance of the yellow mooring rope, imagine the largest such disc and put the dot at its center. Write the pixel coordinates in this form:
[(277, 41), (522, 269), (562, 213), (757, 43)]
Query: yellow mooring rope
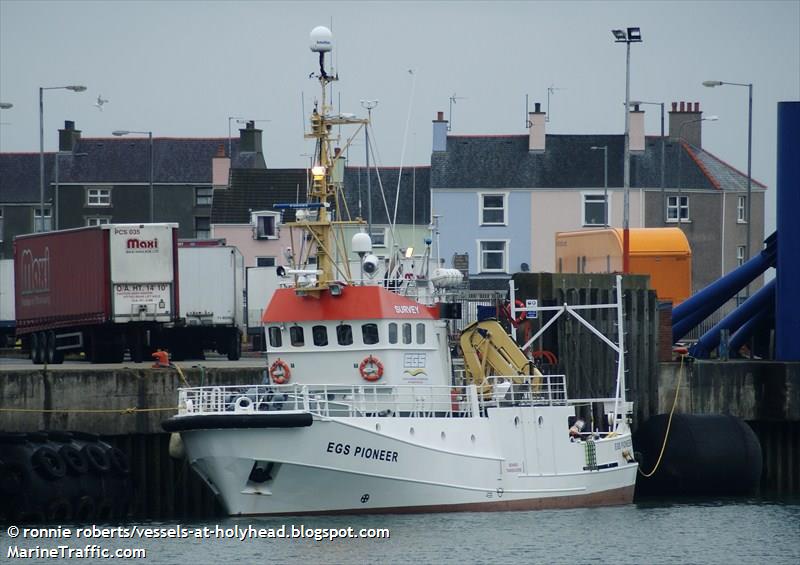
[(669, 423)]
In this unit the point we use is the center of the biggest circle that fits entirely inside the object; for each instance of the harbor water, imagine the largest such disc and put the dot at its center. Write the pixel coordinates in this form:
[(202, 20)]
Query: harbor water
[(757, 530)]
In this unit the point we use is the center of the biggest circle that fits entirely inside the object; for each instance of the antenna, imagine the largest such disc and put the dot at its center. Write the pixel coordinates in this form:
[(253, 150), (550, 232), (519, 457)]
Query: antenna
[(550, 90), (453, 99)]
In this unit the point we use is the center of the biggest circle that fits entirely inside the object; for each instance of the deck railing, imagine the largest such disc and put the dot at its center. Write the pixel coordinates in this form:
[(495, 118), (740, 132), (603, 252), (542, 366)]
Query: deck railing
[(375, 400)]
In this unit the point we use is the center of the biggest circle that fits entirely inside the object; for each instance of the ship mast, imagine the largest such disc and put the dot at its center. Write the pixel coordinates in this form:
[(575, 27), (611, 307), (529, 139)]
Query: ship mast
[(322, 191)]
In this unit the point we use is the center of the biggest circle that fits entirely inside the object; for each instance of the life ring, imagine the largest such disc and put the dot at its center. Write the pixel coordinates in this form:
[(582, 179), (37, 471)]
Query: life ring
[(371, 369), (408, 276), (548, 356), (520, 317), (279, 372), (119, 462)]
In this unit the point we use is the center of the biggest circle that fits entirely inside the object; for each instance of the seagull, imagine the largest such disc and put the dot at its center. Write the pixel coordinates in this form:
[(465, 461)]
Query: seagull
[(100, 102)]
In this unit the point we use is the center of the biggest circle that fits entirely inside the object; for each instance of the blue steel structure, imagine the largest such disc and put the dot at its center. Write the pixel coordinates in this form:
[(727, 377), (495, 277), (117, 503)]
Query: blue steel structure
[(781, 295)]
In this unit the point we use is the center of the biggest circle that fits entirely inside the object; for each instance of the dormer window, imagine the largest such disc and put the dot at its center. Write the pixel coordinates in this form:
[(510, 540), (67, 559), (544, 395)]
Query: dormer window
[(265, 225)]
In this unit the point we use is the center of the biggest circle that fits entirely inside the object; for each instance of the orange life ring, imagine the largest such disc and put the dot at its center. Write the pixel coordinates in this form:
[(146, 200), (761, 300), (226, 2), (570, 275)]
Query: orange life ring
[(408, 276), (548, 356), (371, 369), (279, 372), (520, 317)]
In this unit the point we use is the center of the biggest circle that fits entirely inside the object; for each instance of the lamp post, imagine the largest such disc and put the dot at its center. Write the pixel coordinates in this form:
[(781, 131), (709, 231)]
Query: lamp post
[(680, 156), (74, 88), (368, 105), (121, 132), (631, 35), (605, 180), (749, 85)]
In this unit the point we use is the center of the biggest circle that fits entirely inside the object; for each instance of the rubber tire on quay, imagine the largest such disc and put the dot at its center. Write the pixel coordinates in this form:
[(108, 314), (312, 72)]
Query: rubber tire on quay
[(33, 343), (48, 463), (119, 462), (97, 457), (74, 459), (85, 510), (42, 347)]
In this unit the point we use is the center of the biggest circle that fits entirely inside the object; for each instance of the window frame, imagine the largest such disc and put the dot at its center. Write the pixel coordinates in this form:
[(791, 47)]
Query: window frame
[(380, 241), (259, 231), (200, 199), (48, 219), (197, 230), (342, 334), (274, 332), (103, 197), (505, 252), (366, 330), (678, 206), (741, 209), (266, 259), (319, 335), (482, 208), (595, 194), (296, 332), (91, 221), (741, 254)]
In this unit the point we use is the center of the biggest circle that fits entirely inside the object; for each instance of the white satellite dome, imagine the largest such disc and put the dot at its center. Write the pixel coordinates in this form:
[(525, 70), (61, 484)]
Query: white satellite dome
[(362, 243), (321, 39)]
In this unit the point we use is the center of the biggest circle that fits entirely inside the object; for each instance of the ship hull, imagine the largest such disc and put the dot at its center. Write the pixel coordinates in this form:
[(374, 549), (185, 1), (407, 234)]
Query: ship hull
[(507, 461)]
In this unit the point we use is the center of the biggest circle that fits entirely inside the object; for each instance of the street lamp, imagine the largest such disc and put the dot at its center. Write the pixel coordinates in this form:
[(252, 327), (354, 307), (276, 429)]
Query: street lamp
[(121, 132), (74, 88), (605, 180), (631, 35), (680, 156), (749, 85)]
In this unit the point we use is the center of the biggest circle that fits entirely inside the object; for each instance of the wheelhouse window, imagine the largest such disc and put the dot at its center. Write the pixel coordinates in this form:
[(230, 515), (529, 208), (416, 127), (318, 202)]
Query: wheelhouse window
[(420, 333), (369, 333), (493, 256), (493, 208), (344, 334), (406, 333), (378, 237), (275, 339), (296, 336), (392, 332), (98, 197), (320, 335), (595, 210), (677, 208)]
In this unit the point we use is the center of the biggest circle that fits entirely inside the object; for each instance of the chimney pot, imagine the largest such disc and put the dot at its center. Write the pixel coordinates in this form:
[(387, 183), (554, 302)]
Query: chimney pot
[(674, 106), (697, 106), (683, 106), (537, 107), (439, 116)]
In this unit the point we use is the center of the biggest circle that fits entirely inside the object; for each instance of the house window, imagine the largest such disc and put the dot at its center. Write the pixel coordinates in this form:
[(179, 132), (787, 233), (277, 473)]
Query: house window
[(741, 251), (677, 208), (595, 210), (493, 256), (369, 333), (378, 237), (265, 261), (265, 225), (202, 227), (98, 221), (320, 335), (98, 197), (203, 195), (741, 209), (493, 209), (37, 220)]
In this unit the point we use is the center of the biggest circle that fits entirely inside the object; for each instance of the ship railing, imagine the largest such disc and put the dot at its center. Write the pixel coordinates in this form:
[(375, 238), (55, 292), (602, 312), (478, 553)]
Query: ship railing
[(422, 401)]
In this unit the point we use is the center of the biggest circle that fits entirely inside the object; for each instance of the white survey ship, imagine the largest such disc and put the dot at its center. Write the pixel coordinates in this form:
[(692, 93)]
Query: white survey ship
[(368, 410)]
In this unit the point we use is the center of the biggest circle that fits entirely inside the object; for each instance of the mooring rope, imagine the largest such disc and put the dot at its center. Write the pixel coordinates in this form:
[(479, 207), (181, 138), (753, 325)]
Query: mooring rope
[(669, 423)]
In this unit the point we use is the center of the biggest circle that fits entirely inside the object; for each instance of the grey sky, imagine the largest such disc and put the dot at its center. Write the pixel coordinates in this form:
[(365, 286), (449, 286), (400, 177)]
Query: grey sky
[(181, 68)]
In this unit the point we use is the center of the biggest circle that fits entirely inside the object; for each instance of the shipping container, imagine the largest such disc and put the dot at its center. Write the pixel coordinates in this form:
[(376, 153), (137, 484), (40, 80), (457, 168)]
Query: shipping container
[(211, 315), (662, 253), (261, 284), (101, 290)]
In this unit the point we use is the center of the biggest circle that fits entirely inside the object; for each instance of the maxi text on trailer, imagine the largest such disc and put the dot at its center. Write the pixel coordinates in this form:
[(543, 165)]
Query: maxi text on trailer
[(212, 301), (101, 290)]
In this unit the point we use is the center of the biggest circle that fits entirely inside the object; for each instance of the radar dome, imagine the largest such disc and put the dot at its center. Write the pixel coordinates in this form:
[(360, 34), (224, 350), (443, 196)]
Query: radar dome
[(362, 243), (321, 39)]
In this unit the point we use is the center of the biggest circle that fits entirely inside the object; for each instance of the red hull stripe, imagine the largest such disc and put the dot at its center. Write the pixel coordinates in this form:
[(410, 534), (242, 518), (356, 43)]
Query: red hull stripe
[(355, 303)]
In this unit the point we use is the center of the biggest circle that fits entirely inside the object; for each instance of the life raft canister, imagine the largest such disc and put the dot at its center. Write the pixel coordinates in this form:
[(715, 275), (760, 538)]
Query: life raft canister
[(371, 369), (279, 372)]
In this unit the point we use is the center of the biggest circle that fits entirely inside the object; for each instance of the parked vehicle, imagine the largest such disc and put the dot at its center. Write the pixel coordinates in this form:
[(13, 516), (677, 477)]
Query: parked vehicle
[(211, 314), (7, 319), (101, 290), (261, 284)]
